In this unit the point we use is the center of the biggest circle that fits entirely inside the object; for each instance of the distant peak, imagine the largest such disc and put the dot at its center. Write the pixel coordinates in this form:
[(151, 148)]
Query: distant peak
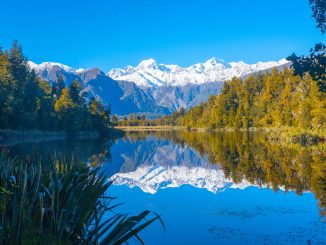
[(149, 63), (212, 60), (47, 65), (215, 61), (283, 61), (32, 65), (148, 73), (80, 70)]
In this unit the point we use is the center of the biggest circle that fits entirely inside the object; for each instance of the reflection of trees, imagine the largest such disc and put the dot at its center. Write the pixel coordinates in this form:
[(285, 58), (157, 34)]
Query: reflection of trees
[(94, 151), (250, 156)]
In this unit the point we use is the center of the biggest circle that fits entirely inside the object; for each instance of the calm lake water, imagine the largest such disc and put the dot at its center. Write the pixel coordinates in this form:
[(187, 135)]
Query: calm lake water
[(210, 188)]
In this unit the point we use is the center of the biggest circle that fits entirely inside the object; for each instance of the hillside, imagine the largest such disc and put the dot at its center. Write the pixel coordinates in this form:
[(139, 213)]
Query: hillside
[(150, 88)]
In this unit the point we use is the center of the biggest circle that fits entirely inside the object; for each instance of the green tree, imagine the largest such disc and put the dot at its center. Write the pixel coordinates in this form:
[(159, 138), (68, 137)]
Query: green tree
[(75, 90), (314, 64), (319, 13)]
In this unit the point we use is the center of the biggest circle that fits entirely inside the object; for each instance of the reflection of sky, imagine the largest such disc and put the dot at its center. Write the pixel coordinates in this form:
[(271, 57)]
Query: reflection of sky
[(249, 216), (197, 216)]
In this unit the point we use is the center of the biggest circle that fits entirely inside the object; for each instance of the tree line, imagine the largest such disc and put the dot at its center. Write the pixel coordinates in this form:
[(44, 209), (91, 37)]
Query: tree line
[(140, 120), (274, 99), (289, 98), (294, 97), (27, 102)]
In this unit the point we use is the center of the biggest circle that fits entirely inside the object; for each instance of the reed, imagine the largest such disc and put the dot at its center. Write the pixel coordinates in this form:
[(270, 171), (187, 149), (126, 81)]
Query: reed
[(61, 202)]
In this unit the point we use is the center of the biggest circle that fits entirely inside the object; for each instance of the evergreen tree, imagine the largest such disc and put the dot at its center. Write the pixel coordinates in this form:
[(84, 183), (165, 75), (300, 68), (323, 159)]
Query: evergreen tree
[(319, 13), (75, 93), (271, 100), (314, 64), (26, 102)]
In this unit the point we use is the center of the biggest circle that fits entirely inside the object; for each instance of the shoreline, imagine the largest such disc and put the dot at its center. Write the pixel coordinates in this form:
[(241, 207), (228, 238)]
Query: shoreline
[(281, 134), (10, 137), (148, 128)]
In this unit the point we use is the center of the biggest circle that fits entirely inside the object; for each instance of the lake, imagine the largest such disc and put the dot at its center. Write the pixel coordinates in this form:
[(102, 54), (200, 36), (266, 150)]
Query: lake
[(209, 188)]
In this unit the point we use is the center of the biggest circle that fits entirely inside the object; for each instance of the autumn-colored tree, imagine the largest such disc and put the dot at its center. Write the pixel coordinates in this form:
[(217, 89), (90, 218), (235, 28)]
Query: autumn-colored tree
[(274, 99)]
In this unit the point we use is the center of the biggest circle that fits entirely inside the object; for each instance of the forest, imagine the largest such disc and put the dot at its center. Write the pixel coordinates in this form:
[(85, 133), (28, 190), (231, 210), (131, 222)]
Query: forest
[(140, 120), (28, 103), (292, 99), (267, 100)]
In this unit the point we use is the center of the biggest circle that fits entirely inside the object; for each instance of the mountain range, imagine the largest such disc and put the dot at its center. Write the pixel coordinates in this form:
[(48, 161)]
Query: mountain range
[(150, 74), (153, 178), (154, 164), (151, 88)]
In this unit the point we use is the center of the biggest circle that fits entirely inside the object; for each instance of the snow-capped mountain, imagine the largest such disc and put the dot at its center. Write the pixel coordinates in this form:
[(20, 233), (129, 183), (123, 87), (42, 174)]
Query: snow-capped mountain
[(153, 178), (47, 66), (150, 74), (154, 164), (124, 97), (151, 88)]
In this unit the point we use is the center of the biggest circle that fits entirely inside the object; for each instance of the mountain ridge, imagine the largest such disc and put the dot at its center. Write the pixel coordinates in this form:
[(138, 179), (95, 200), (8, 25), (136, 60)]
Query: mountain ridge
[(148, 73), (151, 88), (152, 178), (155, 164)]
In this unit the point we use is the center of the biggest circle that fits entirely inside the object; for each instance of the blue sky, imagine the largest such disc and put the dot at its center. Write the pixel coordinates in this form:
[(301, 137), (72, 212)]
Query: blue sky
[(116, 33)]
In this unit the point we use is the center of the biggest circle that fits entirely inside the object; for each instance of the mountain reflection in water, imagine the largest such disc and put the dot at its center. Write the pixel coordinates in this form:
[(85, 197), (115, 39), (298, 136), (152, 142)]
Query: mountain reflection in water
[(209, 187), (216, 161)]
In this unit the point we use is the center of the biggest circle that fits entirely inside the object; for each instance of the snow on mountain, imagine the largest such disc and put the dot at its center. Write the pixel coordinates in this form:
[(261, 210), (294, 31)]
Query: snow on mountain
[(152, 88), (158, 164), (50, 65), (150, 74), (152, 178)]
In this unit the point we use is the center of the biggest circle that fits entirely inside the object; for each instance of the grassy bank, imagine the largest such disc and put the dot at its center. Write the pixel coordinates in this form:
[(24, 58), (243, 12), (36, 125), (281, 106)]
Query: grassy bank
[(281, 135), (147, 128), (287, 135), (296, 135)]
